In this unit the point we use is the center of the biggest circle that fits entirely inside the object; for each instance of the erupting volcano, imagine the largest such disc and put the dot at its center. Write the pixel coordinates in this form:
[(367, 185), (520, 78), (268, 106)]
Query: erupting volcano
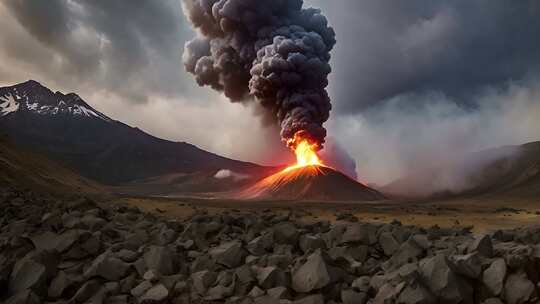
[(310, 179), (275, 54)]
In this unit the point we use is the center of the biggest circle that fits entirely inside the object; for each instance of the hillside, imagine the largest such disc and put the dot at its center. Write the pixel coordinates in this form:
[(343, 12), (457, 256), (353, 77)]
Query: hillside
[(28, 170), (511, 170), (67, 129)]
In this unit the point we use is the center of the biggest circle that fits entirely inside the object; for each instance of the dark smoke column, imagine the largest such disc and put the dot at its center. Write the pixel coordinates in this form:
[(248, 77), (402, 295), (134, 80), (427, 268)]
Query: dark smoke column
[(273, 52)]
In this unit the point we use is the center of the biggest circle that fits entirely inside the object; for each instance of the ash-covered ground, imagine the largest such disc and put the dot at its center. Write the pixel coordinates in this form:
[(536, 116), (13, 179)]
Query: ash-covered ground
[(82, 251)]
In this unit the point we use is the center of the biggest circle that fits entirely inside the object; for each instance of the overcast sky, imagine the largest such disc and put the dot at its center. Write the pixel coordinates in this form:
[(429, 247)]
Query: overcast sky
[(413, 82)]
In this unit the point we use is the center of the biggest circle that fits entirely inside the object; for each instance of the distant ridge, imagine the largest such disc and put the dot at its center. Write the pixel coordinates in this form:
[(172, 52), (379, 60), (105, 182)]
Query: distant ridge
[(66, 128)]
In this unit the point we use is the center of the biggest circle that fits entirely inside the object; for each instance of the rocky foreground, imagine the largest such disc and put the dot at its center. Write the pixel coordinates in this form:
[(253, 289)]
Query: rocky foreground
[(79, 252)]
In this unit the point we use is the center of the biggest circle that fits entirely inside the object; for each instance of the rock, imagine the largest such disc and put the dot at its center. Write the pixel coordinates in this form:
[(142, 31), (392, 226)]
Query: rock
[(120, 299), (285, 233), (360, 233), (314, 274), (482, 245), (219, 292), (388, 243), (127, 255), (269, 277), (28, 274), (112, 288), (58, 285), (24, 297), (151, 276), (493, 301), (202, 280), (230, 254), (256, 292), (388, 293), (409, 251), (87, 290), (311, 242), (108, 267), (362, 284), (45, 241), (416, 294), (311, 299), (493, 277), (443, 282), (160, 259), (262, 300), (156, 294), (353, 297), (261, 245), (518, 289), (141, 289), (468, 265), (279, 293)]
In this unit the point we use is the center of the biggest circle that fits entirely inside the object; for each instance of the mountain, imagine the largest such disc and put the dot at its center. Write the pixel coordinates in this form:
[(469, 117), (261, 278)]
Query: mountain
[(67, 129), (310, 183), (506, 170), (28, 170)]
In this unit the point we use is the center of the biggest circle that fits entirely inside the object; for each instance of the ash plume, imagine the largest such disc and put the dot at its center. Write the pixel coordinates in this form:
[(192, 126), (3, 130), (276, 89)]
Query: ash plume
[(272, 52)]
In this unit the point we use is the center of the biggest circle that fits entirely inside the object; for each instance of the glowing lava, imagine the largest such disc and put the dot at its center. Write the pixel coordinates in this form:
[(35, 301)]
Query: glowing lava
[(306, 155)]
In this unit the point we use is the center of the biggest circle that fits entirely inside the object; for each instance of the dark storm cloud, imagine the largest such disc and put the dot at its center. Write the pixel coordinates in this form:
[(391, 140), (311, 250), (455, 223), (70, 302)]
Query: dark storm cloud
[(130, 47), (388, 48)]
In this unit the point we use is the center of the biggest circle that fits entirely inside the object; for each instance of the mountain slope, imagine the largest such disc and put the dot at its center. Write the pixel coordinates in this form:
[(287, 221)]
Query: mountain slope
[(66, 128), (24, 169), (310, 183), (510, 169)]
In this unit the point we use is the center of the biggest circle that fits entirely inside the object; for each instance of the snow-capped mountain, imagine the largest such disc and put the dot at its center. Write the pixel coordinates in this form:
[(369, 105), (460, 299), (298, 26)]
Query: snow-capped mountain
[(66, 128), (33, 97)]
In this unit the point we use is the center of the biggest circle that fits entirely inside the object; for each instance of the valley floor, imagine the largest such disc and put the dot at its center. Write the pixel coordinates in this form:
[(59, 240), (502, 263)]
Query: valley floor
[(482, 214)]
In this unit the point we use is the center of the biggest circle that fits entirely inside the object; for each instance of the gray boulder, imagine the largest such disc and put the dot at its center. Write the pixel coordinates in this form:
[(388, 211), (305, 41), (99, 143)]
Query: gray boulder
[(388, 243), (161, 259), (483, 245), (261, 244), (27, 274), (311, 299), (279, 292), (285, 233), (108, 267), (349, 296), (360, 233), (311, 242), (443, 282), (60, 283), (269, 277), (230, 254), (154, 295), (493, 277), (469, 265), (314, 274), (416, 294), (518, 289), (202, 280), (24, 297)]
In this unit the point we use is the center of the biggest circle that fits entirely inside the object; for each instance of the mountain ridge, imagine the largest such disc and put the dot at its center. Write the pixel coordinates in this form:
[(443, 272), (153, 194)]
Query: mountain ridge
[(66, 128)]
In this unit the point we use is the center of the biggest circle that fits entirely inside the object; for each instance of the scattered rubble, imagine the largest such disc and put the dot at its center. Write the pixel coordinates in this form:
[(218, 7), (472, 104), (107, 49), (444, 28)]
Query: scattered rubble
[(60, 252)]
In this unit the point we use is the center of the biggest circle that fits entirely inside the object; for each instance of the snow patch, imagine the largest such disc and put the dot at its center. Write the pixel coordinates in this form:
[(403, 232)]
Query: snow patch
[(8, 105)]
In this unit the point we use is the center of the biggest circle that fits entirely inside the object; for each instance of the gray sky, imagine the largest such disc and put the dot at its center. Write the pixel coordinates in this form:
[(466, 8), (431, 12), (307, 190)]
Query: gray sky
[(413, 82)]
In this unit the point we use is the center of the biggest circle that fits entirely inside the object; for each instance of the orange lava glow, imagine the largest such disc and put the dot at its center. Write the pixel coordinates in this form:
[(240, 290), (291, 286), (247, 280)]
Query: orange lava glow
[(306, 155)]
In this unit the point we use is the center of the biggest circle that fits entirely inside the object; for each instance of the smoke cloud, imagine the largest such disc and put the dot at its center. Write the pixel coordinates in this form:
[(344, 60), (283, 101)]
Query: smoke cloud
[(273, 52)]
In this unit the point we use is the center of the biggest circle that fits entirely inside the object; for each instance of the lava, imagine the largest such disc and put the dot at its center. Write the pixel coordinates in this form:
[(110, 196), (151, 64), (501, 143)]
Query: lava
[(306, 155)]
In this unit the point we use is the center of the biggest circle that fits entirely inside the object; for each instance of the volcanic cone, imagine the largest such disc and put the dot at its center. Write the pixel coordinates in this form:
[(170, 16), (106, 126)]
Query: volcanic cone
[(310, 183)]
